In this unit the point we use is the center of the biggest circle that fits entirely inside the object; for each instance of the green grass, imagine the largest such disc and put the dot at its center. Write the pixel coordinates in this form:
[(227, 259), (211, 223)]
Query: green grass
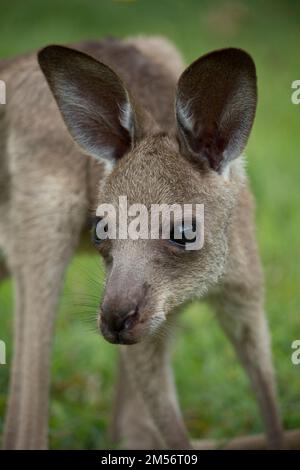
[(213, 390)]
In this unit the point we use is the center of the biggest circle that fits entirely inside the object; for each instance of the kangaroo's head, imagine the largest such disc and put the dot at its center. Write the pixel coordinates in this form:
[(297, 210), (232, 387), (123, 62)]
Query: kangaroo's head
[(195, 164)]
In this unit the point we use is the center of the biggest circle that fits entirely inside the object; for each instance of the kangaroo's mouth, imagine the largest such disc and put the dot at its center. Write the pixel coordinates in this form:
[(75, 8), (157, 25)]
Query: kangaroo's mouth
[(119, 338)]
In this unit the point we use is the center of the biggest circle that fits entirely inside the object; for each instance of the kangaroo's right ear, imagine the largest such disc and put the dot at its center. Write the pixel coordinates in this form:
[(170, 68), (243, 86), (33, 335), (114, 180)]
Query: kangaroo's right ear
[(92, 100)]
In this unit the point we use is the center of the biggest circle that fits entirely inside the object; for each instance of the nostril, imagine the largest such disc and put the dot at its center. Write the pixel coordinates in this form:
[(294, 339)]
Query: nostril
[(130, 318), (125, 321)]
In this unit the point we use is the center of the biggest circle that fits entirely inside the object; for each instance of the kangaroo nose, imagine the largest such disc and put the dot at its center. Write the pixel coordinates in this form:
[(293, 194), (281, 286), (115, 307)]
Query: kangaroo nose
[(118, 321), (121, 311)]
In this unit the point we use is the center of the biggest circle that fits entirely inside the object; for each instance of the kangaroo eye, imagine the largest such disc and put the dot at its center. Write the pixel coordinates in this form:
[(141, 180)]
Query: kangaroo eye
[(182, 235), (99, 230)]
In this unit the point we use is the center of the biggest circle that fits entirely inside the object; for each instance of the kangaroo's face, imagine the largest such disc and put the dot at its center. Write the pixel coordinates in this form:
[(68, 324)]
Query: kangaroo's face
[(148, 277)]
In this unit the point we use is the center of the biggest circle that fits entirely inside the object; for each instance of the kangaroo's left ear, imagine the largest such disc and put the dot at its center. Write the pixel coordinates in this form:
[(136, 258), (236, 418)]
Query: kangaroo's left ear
[(215, 106)]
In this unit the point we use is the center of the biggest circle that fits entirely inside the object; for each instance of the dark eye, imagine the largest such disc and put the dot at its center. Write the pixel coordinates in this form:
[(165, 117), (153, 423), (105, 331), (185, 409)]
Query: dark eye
[(99, 230), (182, 235)]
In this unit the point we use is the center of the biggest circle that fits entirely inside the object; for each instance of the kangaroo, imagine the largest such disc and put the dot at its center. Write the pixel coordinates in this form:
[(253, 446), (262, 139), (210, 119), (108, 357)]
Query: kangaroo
[(84, 126)]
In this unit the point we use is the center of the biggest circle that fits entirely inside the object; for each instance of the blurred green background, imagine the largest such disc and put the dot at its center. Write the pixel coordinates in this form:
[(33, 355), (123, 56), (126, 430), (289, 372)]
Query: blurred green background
[(213, 389)]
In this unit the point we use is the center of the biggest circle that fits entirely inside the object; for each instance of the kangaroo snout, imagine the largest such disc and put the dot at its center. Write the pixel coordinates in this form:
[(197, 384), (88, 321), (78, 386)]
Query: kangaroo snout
[(121, 318), (116, 325)]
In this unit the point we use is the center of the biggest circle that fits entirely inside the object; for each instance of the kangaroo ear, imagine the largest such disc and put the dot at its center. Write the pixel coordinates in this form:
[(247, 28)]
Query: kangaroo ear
[(92, 100), (215, 106)]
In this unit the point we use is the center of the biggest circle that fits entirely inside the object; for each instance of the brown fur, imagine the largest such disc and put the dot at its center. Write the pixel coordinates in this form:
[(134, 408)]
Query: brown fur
[(51, 183)]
